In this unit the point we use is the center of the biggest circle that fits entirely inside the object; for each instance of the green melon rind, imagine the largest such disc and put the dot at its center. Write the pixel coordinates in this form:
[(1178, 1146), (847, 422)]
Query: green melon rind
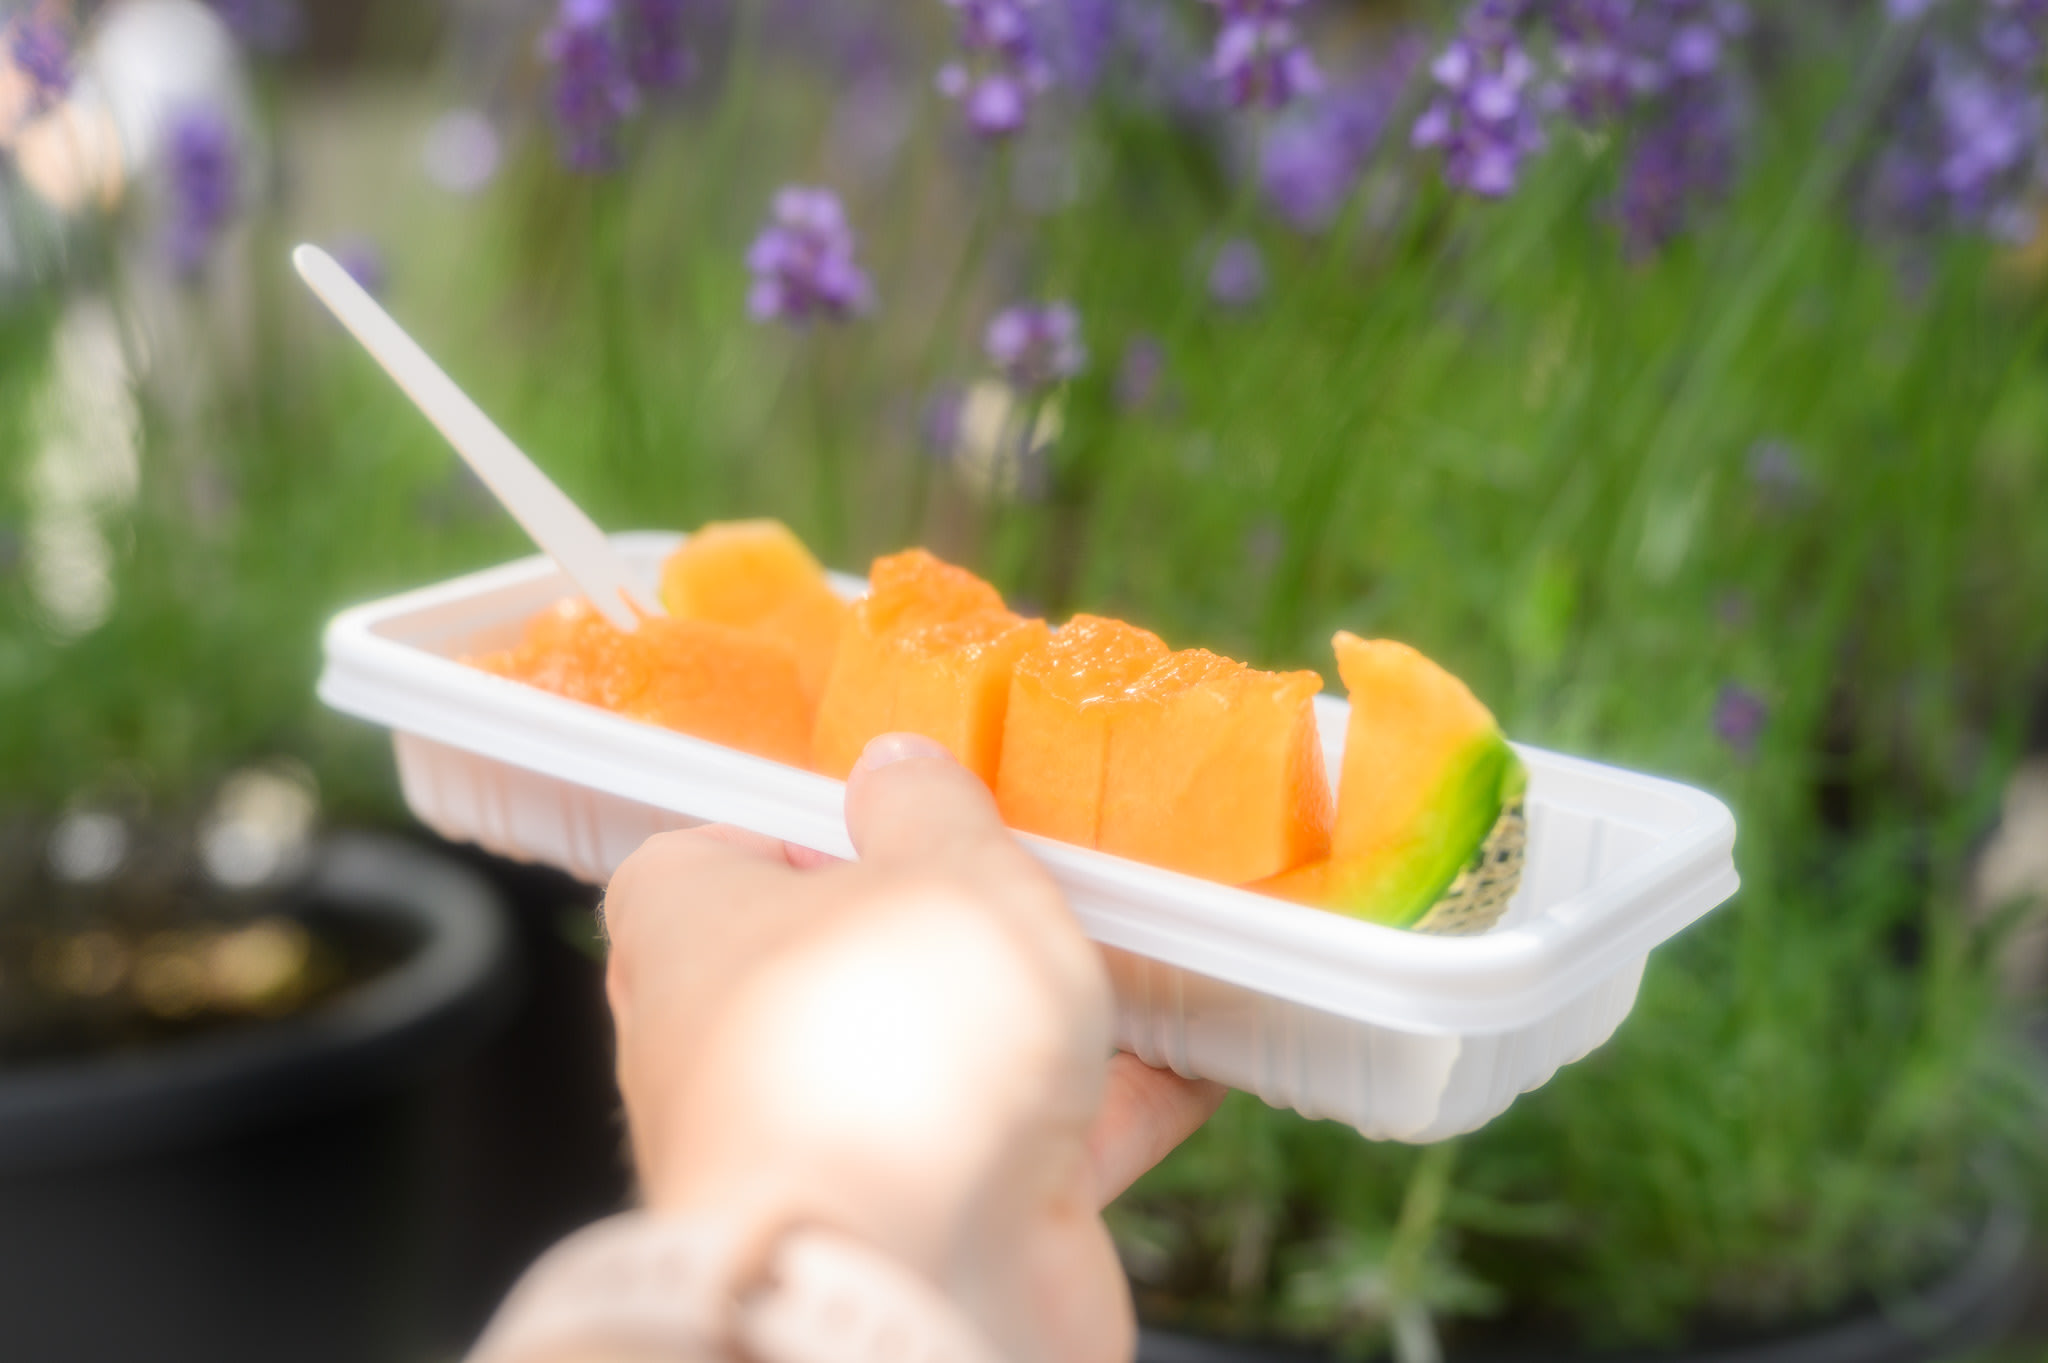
[(1479, 895), (1457, 870)]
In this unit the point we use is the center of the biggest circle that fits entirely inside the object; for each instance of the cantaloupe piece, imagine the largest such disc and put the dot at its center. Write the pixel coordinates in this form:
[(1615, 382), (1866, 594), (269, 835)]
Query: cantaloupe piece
[(728, 685), (712, 681), (1430, 828), (1056, 731), (929, 650), (1214, 769), (756, 575), (571, 650)]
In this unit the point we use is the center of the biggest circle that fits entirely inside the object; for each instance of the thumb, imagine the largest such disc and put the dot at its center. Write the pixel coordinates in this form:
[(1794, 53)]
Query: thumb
[(908, 802), (912, 810)]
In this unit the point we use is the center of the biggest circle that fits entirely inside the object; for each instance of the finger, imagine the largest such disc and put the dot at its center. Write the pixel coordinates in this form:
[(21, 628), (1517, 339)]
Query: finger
[(713, 852), (809, 858), (908, 803), (1145, 1113), (915, 813)]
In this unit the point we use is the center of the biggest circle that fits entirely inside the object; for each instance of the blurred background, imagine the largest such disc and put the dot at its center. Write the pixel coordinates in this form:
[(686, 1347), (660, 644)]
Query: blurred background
[(1674, 370)]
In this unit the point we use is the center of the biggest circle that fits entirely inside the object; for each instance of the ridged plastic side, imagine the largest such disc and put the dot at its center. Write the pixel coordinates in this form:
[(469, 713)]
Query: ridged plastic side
[(1390, 1084)]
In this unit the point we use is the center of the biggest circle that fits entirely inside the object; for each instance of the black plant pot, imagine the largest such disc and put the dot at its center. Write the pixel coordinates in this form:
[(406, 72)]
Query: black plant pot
[(1969, 1308), (260, 1194), (529, 1129)]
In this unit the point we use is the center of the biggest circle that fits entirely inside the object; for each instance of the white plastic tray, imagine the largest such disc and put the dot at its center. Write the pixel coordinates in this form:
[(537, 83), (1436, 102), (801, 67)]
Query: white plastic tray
[(1402, 1035)]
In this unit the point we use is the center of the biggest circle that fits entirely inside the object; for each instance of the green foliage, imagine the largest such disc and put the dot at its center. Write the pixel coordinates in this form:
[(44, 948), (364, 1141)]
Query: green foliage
[(1474, 427)]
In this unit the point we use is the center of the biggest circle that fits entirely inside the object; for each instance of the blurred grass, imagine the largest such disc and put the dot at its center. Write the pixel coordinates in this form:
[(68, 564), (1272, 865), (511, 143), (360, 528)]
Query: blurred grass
[(1478, 428)]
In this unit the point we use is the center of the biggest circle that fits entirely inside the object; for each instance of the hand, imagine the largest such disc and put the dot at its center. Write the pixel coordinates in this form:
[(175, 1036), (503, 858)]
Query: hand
[(908, 1048)]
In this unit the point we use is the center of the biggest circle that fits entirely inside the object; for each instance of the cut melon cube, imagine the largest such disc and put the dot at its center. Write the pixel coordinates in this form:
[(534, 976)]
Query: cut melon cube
[(929, 650), (1056, 731), (915, 588), (953, 683), (728, 685), (708, 680), (1215, 770), (573, 651), (757, 576)]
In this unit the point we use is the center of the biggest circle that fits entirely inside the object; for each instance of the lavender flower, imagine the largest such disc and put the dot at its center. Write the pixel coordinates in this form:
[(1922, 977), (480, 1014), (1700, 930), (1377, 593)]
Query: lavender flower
[(1484, 118), (1778, 475), (1614, 55), (1086, 35), (657, 58), (42, 53), (1311, 160), (803, 264), (203, 180), (1139, 374), (1658, 62), (594, 90), (1259, 58), (1237, 277), (1684, 158), (999, 70), (269, 26), (1740, 715), (1969, 130), (940, 423), (363, 261), (1036, 346)]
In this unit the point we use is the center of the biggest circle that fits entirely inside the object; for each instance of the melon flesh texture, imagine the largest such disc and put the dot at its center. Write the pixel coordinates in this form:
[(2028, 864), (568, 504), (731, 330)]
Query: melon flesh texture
[(573, 651), (930, 651), (1056, 732), (1215, 770), (707, 680), (730, 686), (757, 576), (1426, 775)]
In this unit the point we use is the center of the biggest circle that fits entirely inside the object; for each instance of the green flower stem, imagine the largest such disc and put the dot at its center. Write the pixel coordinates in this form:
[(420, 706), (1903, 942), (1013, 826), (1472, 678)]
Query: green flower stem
[(828, 479), (941, 340), (624, 420)]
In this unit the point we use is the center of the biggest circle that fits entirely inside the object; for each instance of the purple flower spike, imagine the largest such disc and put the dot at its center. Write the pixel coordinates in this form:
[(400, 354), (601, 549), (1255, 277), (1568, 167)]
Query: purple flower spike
[(1036, 346), (999, 70), (42, 53), (1483, 118), (657, 57), (1968, 136), (363, 261), (268, 26), (1262, 63), (1312, 160), (1685, 157), (1740, 715), (1237, 278), (1138, 377), (594, 90), (803, 263), (203, 180)]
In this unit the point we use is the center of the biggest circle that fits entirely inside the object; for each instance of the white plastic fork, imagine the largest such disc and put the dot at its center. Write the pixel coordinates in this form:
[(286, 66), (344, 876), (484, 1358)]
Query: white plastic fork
[(557, 525)]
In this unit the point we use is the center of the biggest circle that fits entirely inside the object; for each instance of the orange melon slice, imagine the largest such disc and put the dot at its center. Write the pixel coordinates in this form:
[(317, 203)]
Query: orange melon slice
[(573, 651), (1430, 826), (1056, 731), (1214, 769), (703, 679), (929, 650), (757, 575), (728, 685)]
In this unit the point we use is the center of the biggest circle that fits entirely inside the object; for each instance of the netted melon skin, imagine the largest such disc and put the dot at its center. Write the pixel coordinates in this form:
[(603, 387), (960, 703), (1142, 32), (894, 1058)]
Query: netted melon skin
[(1479, 896)]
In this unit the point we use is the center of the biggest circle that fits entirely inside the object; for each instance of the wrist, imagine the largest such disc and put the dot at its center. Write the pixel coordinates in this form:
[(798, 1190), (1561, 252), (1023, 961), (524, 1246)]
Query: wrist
[(670, 1289)]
